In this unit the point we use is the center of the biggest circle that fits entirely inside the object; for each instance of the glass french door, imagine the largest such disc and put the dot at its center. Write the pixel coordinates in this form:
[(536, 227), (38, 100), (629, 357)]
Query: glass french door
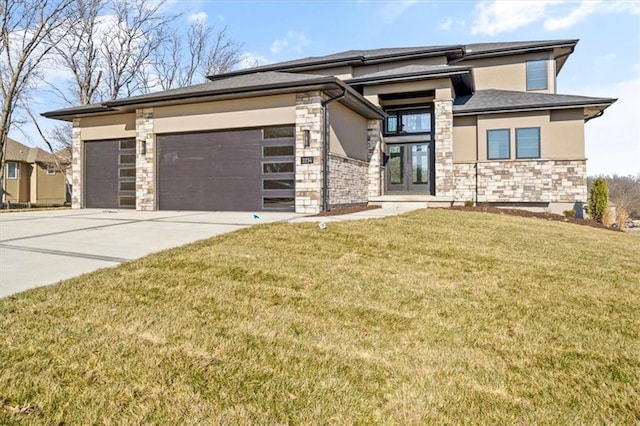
[(409, 168)]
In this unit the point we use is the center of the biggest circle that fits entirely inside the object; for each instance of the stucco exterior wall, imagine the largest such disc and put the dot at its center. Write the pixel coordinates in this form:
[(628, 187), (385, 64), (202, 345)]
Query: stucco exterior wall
[(17, 190), (464, 138), (562, 138), (509, 72), (442, 87), (348, 132), (108, 127), (46, 188), (343, 73), (238, 113)]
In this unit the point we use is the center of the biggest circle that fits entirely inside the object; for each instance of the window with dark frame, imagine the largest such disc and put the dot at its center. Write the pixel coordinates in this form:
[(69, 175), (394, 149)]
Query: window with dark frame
[(498, 144), (537, 74), (412, 121), (528, 142)]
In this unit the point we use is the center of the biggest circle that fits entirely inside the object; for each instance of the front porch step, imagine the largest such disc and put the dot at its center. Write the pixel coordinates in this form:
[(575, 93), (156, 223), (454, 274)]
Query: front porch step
[(411, 201)]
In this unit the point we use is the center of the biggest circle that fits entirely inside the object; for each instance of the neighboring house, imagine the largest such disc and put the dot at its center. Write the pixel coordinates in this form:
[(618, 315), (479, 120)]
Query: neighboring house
[(32, 175), (440, 125)]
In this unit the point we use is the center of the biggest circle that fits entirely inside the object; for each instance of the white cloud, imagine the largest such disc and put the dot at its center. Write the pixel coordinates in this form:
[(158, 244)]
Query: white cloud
[(502, 16), (199, 17), (498, 16), (446, 25), (586, 8), (612, 142), (450, 25), (294, 40), (250, 60), (390, 12)]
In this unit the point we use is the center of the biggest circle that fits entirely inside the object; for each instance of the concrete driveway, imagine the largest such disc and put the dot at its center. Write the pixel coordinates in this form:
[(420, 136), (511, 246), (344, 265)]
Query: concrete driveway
[(40, 248)]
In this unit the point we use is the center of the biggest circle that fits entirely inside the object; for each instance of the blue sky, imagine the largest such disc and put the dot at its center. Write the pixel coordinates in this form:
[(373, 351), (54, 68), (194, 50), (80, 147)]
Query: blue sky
[(606, 61)]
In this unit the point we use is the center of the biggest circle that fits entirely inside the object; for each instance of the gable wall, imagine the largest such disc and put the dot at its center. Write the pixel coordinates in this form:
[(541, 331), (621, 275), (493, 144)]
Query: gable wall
[(509, 72)]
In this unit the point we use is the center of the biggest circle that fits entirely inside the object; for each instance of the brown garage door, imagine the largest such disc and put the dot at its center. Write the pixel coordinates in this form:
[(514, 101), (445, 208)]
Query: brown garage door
[(239, 170), (110, 173)]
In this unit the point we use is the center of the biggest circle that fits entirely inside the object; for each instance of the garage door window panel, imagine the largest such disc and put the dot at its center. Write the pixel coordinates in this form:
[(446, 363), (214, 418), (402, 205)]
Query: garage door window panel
[(287, 167)]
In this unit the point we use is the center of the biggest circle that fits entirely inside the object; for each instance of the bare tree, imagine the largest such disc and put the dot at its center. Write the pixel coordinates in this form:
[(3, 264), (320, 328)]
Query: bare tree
[(206, 52), (624, 191), (138, 30), (28, 33), (78, 52)]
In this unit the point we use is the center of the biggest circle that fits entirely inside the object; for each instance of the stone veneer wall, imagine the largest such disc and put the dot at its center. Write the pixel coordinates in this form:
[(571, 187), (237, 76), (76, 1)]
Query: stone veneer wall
[(76, 166), (443, 111), (552, 181), (309, 176), (374, 154), (348, 181), (145, 166)]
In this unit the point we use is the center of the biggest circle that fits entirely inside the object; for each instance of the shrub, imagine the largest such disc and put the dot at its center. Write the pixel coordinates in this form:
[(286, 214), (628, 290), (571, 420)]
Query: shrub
[(598, 199), (469, 203), (569, 213)]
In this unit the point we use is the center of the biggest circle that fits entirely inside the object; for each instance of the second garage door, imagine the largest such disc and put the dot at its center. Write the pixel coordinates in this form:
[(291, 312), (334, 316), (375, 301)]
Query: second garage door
[(239, 170)]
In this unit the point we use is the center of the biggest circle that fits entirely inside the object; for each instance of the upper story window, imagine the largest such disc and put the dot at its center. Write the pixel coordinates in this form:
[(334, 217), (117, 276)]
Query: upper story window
[(528, 142), (408, 121), (537, 74), (12, 170), (498, 144)]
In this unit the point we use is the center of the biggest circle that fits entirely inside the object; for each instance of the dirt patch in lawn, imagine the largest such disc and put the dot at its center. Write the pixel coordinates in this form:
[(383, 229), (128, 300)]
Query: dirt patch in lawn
[(539, 215)]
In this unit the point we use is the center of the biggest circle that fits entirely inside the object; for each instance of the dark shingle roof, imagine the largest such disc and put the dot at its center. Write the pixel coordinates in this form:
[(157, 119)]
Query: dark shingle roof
[(493, 100), (409, 70), (485, 48), (233, 86), (15, 151), (349, 56), (361, 57), (255, 81)]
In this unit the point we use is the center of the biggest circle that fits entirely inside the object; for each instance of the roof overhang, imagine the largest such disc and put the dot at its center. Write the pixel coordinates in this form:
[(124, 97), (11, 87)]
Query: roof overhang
[(591, 110), (462, 79), (451, 52), (529, 48), (330, 85)]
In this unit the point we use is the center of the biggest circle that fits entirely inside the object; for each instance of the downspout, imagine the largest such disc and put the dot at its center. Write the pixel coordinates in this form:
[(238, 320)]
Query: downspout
[(325, 148)]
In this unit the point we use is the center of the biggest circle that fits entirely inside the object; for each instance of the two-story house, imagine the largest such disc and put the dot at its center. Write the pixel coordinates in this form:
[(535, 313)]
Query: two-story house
[(440, 125)]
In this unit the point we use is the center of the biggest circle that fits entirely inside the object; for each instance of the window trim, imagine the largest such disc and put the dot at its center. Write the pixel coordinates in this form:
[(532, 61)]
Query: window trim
[(508, 157), (402, 110), (17, 170), (546, 74), (539, 142)]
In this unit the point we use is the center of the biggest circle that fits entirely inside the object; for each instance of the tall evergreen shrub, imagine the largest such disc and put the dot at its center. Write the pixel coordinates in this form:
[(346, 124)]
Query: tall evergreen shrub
[(598, 199)]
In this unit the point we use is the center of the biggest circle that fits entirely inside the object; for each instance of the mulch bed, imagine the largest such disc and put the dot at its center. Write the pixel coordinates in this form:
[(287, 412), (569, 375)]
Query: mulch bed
[(347, 210), (539, 215), (487, 209)]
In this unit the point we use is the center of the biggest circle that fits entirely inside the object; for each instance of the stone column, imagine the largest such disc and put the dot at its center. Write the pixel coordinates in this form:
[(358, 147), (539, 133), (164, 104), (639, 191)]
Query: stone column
[(309, 176), (76, 166), (145, 162), (374, 142), (443, 109)]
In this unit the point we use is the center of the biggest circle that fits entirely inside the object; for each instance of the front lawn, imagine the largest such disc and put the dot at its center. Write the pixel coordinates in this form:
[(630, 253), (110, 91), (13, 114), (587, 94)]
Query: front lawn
[(431, 317)]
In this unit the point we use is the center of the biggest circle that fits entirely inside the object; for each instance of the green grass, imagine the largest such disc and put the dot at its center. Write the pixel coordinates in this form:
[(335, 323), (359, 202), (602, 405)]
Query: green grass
[(432, 317)]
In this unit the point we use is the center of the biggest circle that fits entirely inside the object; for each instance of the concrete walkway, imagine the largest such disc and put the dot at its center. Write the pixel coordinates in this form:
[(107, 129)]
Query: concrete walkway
[(44, 247)]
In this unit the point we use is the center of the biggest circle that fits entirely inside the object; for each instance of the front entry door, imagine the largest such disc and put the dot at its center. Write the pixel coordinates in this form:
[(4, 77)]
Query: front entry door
[(409, 168)]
